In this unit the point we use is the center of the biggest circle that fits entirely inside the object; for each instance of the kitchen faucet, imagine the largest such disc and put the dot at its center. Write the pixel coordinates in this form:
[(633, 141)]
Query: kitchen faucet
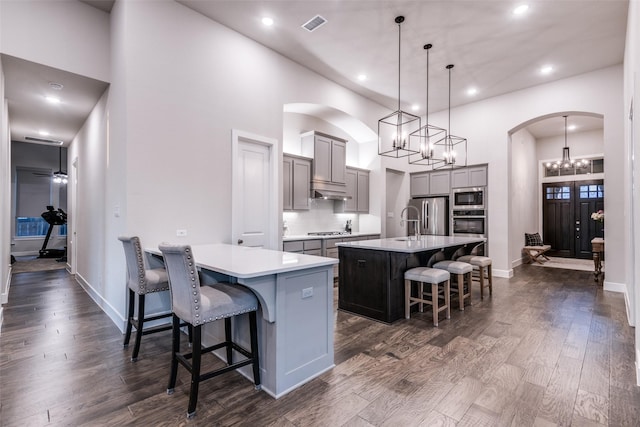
[(416, 227)]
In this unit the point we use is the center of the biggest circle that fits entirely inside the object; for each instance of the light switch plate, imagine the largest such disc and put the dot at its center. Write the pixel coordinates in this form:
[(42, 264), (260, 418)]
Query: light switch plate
[(181, 233), (307, 292)]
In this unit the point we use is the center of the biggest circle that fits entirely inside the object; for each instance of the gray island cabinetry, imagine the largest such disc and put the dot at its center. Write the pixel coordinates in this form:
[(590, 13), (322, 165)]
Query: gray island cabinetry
[(372, 272)]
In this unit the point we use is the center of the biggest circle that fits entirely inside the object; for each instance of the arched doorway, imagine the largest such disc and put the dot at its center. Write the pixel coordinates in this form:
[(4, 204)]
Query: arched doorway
[(548, 197)]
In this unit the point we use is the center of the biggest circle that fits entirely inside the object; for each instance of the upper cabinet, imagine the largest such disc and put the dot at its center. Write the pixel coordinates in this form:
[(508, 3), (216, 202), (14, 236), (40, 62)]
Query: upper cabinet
[(357, 192), (475, 176), (329, 161), (296, 178), (433, 183)]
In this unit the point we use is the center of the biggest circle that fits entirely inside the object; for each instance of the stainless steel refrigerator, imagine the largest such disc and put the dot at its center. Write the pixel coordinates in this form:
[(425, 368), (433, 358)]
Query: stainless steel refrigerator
[(433, 215)]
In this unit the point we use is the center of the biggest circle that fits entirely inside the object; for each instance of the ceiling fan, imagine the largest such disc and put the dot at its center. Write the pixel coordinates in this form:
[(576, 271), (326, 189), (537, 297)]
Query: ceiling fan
[(59, 177)]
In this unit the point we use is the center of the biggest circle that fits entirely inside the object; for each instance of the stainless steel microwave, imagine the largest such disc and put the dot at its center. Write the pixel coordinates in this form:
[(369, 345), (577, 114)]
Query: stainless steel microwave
[(469, 198)]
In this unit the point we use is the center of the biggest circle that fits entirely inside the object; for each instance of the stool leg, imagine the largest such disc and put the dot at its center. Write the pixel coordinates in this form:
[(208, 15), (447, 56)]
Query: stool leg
[(175, 348), (253, 331), (460, 278), (434, 302), (447, 298), (421, 296), (132, 301), (470, 281), (490, 274), (227, 337), (136, 347), (481, 271), (195, 370), (407, 298)]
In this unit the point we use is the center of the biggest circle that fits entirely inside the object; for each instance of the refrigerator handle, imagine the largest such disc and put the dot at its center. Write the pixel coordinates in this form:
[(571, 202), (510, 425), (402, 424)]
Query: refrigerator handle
[(425, 216)]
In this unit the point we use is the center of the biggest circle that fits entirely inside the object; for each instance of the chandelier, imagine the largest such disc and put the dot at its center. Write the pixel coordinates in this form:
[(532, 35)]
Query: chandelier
[(425, 139), (451, 149), (566, 162), (394, 129)]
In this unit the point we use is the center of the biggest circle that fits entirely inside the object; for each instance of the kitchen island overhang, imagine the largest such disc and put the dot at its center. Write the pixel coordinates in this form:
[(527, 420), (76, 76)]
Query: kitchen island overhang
[(371, 280)]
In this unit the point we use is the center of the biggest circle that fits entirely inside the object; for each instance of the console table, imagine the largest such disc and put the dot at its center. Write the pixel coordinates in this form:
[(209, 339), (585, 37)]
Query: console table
[(597, 247)]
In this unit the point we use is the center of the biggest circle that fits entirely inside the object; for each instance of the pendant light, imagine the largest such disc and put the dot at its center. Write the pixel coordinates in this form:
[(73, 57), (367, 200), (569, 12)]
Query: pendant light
[(566, 162), (424, 139), (394, 129), (60, 177), (452, 149)]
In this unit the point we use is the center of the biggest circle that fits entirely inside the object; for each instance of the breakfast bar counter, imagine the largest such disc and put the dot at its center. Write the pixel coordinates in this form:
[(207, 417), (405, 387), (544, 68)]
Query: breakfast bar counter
[(372, 271), (296, 300)]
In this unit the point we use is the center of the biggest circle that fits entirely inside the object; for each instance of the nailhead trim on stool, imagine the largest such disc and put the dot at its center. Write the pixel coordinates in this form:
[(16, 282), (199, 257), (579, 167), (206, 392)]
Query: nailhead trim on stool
[(461, 270), (483, 264), (433, 276)]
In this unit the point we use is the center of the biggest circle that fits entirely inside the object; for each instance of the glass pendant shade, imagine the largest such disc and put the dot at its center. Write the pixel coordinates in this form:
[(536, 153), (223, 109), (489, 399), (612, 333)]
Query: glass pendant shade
[(60, 177), (424, 140), (394, 129), (452, 149)]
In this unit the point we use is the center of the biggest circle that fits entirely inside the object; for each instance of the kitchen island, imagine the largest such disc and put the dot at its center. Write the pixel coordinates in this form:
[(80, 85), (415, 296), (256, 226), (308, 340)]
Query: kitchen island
[(296, 302), (372, 271)]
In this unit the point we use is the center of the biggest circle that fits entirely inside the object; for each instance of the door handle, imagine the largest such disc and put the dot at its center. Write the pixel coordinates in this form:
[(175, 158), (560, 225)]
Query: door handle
[(240, 241)]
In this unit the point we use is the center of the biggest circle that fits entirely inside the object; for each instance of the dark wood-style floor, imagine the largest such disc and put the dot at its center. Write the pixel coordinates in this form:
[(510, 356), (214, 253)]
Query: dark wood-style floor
[(549, 348)]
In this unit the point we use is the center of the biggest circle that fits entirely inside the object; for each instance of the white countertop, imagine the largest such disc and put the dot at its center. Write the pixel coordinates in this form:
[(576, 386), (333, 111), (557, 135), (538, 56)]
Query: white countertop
[(334, 236), (245, 262), (404, 244)]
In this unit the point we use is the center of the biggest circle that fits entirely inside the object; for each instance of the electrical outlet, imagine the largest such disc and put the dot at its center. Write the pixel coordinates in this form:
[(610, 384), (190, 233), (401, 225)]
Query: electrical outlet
[(307, 292), (390, 214), (181, 233)]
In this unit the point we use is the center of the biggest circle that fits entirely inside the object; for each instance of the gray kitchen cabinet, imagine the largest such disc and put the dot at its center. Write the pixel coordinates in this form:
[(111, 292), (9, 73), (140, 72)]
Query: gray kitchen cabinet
[(475, 176), (329, 160), (423, 184), (358, 190), (439, 183), (308, 247), (419, 184), (296, 180)]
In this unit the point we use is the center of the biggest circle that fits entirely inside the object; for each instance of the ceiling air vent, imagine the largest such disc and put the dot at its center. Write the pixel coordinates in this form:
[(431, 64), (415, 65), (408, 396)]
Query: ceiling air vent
[(313, 23), (48, 141)]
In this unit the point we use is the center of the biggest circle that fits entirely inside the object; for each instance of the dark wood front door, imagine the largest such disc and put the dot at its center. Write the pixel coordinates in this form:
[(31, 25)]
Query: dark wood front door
[(567, 223)]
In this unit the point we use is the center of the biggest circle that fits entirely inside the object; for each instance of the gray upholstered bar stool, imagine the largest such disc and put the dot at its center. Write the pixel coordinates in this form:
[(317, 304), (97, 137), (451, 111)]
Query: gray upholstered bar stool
[(141, 280), (435, 278), (462, 273), (198, 305), (483, 265)]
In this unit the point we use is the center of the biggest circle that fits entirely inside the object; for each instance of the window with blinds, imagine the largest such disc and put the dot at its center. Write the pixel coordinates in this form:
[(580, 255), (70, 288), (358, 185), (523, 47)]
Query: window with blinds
[(34, 192)]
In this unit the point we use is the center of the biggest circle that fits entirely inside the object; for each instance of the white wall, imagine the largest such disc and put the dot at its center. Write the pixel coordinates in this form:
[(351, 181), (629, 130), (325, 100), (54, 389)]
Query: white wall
[(64, 34), (396, 183), (632, 170), (524, 193), (5, 196)]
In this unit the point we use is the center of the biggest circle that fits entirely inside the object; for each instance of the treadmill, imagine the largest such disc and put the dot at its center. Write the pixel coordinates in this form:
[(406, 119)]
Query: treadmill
[(53, 218)]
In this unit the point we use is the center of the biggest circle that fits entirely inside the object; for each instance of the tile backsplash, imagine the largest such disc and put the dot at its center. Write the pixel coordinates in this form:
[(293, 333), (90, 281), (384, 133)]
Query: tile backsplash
[(320, 217)]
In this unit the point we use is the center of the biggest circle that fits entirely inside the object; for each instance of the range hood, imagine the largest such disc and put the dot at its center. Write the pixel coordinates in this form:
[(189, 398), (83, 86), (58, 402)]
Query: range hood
[(328, 195)]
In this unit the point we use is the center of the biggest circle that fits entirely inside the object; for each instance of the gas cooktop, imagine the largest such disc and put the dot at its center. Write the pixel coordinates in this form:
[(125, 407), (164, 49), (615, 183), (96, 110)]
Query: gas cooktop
[(328, 233)]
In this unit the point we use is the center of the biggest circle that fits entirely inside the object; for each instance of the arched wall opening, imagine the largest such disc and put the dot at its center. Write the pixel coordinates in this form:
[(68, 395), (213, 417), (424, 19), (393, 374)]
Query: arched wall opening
[(534, 144)]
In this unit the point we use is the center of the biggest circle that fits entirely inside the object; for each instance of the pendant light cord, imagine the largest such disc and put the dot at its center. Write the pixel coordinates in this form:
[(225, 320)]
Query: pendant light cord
[(399, 44), (565, 131), (426, 102), (449, 67)]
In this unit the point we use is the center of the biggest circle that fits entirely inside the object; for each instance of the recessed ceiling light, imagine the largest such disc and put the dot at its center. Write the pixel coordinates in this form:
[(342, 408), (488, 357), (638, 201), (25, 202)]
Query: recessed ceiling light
[(521, 9), (53, 99), (547, 69), (43, 133), (472, 91), (267, 21), (362, 77), (56, 86), (571, 127), (415, 107)]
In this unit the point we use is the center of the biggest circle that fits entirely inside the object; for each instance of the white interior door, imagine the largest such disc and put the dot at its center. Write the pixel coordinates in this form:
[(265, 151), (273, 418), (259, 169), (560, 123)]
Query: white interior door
[(254, 196)]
